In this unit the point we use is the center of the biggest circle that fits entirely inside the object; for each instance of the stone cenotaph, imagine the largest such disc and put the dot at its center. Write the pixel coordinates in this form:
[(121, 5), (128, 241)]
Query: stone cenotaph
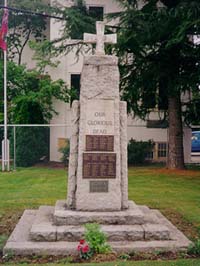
[(97, 178), (98, 157)]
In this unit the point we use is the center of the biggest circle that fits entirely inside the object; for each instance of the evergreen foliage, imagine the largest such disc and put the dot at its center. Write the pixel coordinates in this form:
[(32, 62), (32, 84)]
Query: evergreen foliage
[(156, 42), (160, 63)]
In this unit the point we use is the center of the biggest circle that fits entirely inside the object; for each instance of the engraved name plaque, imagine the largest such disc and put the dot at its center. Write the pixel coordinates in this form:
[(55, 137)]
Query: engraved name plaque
[(99, 143), (98, 186), (99, 165)]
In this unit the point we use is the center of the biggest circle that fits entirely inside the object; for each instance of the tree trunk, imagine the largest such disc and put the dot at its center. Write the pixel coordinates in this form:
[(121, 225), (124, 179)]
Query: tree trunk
[(176, 154)]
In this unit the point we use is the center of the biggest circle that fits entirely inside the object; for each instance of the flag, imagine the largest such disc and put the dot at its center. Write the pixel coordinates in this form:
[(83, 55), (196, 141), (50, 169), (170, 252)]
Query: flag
[(4, 30)]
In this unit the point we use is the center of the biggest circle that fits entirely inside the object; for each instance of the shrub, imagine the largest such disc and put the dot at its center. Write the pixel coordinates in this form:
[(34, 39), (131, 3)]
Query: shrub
[(65, 154), (137, 151), (96, 239), (32, 143)]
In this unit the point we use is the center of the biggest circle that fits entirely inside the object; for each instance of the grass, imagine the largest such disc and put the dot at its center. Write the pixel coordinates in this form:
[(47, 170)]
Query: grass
[(30, 188), (126, 263), (175, 193), (27, 189)]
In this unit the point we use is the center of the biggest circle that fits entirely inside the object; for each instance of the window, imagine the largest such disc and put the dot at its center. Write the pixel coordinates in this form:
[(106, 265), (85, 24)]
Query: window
[(149, 155), (162, 149), (75, 86), (96, 12), (158, 153)]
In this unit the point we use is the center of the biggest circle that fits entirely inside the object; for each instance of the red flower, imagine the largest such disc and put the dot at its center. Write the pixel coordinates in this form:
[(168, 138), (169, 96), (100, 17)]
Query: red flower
[(79, 248), (82, 241), (85, 249)]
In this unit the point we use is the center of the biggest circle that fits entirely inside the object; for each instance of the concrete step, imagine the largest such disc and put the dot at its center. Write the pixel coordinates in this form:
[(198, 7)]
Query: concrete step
[(19, 243), (43, 230), (132, 216)]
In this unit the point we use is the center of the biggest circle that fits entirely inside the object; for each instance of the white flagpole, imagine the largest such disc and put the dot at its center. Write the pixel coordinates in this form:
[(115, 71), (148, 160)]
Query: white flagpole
[(5, 153)]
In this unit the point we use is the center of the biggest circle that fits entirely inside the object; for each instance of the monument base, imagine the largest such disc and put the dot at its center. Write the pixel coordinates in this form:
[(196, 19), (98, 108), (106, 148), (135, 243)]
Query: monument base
[(64, 216), (57, 231)]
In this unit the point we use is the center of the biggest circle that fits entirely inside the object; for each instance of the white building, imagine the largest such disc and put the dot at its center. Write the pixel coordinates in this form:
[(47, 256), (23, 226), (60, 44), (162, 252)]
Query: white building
[(69, 70)]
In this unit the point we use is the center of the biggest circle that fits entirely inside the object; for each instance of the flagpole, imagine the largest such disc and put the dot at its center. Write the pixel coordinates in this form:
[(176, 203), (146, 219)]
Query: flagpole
[(5, 155)]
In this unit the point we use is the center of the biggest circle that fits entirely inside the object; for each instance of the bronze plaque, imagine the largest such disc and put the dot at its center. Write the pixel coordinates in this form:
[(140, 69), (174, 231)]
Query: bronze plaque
[(98, 186), (99, 143), (99, 165)]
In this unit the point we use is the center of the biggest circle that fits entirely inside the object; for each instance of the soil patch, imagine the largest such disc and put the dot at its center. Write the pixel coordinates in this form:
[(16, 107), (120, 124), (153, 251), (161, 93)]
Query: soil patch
[(54, 165), (182, 224), (190, 173), (8, 222), (97, 258)]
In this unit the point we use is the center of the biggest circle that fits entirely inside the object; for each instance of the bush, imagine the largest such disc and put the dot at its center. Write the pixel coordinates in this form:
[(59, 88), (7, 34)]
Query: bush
[(96, 239), (65, 154), (137, 151), (32, 143)]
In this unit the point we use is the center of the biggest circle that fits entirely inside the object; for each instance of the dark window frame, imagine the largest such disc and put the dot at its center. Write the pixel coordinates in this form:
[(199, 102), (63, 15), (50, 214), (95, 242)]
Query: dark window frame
[(76, 84), (162, 149), (100, 17)]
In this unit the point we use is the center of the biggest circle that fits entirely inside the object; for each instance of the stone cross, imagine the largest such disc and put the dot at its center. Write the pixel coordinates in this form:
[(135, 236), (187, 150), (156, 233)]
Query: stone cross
[(100, 39)]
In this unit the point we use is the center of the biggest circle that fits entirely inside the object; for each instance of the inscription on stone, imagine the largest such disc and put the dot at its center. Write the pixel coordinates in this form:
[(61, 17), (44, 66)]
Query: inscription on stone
[(99, 143), (98, 186), (99, 165), (100, 117)]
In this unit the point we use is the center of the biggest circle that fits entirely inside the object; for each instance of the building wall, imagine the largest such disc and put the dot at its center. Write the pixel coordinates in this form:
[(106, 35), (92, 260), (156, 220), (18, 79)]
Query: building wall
[(187, 135), (69, 65), (28, 54)]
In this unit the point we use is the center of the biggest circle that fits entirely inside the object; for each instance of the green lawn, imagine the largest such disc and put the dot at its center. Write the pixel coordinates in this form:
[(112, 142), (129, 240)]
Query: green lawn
[(31, 187), (175, 193), (26, 189), (130, 263)]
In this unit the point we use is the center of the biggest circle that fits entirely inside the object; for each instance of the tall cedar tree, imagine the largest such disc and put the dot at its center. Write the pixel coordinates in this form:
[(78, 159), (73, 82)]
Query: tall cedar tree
[(156, 44)]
